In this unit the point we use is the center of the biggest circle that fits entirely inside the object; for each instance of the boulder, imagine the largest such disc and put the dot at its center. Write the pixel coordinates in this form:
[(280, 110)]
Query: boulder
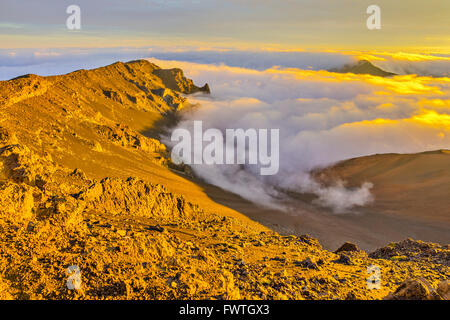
[(343, 259)]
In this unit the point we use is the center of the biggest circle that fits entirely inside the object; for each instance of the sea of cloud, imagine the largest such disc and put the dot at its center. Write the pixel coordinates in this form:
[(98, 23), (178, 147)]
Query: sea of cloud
[(323, 118)]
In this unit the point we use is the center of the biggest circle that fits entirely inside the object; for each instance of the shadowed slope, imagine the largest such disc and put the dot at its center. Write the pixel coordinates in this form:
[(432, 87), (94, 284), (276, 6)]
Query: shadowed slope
[(80, 185)]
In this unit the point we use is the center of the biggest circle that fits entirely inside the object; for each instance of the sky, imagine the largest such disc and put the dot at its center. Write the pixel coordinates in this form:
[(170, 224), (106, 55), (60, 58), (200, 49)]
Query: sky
[(412, 26), (257, 34)]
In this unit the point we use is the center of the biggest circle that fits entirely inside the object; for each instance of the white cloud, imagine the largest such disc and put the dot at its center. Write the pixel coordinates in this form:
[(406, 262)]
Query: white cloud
[(323, 118)]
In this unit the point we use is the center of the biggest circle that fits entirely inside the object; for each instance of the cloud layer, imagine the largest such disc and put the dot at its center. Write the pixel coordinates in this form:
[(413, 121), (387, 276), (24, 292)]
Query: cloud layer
[(323, 117)]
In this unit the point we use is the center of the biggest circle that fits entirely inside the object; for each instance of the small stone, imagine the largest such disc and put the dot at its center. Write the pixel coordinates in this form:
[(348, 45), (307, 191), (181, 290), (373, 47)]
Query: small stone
[(31, 226), (350, 296), (443, 289), (113, 249), (278, 259), (106, 225), (240, 263)]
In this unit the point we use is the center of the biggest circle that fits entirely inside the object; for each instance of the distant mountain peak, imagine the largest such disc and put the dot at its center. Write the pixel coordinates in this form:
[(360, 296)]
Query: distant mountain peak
[(363, 67)]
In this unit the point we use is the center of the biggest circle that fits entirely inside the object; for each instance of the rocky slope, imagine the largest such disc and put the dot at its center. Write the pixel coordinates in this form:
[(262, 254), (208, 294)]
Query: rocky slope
[(81, 186)]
